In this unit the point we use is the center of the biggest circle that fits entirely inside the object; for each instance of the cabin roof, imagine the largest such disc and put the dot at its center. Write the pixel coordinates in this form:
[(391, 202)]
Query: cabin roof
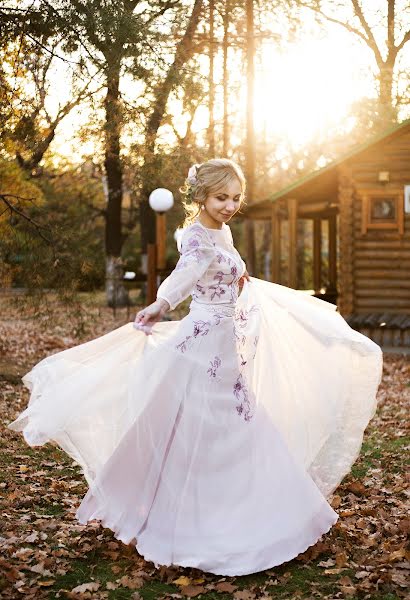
[(323, 182)]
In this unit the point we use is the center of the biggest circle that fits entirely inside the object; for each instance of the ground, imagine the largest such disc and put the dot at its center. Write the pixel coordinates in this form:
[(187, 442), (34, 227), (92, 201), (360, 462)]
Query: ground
[(46, 553)]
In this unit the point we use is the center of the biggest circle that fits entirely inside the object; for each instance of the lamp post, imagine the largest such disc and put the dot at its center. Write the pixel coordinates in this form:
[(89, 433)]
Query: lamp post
[(160, 200)]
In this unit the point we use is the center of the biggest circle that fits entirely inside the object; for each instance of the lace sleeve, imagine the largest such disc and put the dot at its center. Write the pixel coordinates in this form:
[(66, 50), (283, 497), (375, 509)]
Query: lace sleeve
[(197, 252)]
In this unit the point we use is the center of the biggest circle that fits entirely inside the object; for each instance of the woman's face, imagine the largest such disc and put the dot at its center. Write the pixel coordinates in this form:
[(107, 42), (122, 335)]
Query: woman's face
[(222, 205)]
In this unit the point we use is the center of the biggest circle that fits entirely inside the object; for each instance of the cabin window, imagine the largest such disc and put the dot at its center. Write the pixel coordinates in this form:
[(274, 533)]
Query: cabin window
[(382, 209)]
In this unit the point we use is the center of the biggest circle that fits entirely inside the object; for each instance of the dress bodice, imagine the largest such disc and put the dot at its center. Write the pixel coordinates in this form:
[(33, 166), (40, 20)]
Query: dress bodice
[(208, 269)]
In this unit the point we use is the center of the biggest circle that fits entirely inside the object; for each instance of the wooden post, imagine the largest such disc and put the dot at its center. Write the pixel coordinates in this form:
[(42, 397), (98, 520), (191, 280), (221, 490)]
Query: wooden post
[(292, 216), (317, 255), (151, 273), (161, 240), (275, 244), (332, 254), (345, 192)]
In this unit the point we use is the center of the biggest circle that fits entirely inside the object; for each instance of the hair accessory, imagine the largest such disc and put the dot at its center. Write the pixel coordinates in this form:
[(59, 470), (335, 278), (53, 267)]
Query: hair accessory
[(192, 175)]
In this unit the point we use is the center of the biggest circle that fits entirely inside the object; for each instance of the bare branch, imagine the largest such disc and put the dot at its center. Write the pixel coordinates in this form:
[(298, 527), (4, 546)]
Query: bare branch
[(371, 42), (347, 26), (406, 38), (5, 198)]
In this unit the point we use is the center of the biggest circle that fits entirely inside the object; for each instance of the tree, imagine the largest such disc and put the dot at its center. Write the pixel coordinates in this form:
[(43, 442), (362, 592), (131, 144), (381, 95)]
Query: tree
[(113, 40), (352, 16), (30, 47), (184, 51)]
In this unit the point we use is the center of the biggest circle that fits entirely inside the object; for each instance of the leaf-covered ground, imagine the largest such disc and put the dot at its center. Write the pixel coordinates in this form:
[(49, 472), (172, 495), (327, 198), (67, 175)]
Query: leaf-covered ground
[(46, 553)]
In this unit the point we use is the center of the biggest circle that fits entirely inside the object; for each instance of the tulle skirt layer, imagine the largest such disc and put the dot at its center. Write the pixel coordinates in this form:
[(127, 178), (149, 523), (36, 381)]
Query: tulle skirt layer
[(216, 441)]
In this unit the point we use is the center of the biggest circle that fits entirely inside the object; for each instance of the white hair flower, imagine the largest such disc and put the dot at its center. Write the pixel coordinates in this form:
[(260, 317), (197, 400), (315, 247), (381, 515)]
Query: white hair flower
[(192, 175)]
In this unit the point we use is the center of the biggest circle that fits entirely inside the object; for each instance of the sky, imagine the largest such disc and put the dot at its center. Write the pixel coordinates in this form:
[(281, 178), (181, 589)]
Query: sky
[(302, 90)]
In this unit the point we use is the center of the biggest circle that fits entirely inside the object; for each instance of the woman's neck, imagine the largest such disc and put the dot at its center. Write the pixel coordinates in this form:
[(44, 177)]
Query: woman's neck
[(209, 225)]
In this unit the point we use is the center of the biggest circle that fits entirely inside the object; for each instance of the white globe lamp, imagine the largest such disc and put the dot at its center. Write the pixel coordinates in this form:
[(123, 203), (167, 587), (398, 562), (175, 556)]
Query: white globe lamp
[(161, 200)]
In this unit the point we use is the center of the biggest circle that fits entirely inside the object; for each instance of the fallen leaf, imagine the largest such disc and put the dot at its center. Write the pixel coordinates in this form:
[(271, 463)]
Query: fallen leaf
[(92, 586), (244, 595), (182, 580), (327, 563), (192, 590), (226, 586)]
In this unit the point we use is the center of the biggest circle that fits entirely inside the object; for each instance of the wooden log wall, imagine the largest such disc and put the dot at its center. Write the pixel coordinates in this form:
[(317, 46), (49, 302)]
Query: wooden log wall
[(380, 258)]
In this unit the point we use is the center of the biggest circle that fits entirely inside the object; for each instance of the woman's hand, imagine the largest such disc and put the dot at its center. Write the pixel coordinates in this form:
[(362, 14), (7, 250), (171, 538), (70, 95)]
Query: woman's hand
[(146, 318), (241, 281)]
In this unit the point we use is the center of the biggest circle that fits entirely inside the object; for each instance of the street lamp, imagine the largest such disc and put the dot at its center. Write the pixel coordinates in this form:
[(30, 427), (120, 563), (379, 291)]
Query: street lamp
[(160, 200)]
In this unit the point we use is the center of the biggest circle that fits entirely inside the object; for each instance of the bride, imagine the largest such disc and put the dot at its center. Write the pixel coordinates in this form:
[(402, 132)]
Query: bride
[(214, 441)]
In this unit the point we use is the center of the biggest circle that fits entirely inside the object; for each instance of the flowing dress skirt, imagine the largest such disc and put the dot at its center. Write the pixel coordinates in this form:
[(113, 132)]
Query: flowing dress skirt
[(216, 441)]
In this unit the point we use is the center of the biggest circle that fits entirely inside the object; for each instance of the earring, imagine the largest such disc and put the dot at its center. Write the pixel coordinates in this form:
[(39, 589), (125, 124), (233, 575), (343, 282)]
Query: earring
[(202, 207)]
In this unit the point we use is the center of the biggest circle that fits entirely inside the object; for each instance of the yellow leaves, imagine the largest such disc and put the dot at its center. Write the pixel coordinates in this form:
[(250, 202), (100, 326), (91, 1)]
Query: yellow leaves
[(182, 580), (189, 586), (14, 181)]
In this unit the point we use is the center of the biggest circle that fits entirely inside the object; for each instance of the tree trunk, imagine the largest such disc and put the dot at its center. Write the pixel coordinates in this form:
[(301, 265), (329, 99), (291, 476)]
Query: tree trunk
[(388, 112), (183, 53), (250, 135), (211, 130), (116, 292), (225, 78)]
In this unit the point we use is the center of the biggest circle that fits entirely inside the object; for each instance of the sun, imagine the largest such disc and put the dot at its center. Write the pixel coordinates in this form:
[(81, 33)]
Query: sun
[(301, 92)]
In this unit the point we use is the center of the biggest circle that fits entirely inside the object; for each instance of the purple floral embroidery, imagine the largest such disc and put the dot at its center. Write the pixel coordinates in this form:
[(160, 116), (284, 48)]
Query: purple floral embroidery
[(200, 289), (241, 319), (222, 258), (215, 364), (197, 228), (241, 390), (242, 394), (190, 251), (242, 316), (183, 345), (243, 361), (182, 263), (218, 289), (201, 328)]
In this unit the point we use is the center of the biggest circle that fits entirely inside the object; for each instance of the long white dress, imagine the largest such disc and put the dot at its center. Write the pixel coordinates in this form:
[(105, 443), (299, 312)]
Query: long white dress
[(217, 440)]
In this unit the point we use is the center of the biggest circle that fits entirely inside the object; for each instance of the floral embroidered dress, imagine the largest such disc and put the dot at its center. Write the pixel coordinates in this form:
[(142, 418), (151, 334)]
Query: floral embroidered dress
[(217, 441)]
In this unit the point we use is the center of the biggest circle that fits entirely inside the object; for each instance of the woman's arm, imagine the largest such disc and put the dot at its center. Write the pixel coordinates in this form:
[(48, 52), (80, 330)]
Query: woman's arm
[(197, 252)]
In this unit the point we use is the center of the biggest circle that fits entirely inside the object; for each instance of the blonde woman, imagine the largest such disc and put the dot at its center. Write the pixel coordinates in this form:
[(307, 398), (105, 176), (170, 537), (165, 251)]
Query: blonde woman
[(214, 441)]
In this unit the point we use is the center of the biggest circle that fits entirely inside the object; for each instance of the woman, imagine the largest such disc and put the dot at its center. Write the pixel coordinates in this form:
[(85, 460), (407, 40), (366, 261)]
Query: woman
[(214, 441)]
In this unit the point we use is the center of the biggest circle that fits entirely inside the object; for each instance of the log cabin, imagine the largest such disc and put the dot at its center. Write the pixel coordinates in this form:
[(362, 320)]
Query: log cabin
[(362, 201)]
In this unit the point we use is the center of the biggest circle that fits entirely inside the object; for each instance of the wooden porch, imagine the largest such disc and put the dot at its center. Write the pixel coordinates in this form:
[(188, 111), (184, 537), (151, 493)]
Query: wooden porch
[(314, 202)]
